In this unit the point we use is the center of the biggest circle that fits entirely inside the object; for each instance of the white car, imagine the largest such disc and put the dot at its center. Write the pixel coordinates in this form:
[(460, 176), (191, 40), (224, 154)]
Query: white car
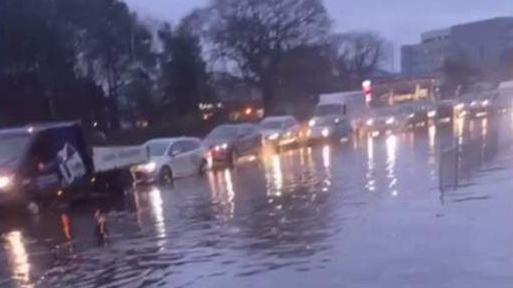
[(280, 130), (172, 158)]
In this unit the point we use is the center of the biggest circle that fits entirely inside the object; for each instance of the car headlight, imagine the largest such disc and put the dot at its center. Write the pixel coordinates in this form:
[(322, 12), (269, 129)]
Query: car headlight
[(390, 121), (325, 132), (148, 167), (411, 116), (431, 114), (337, 120), (274, 136), (5, 182), (459, 106), (221, 147), (312, 123), (473, 104), (370, 122), (486, 103)]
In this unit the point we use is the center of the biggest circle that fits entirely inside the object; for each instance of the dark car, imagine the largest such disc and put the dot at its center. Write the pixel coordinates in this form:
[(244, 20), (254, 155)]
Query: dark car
[(37, 162), (418, 115), (227, 143)]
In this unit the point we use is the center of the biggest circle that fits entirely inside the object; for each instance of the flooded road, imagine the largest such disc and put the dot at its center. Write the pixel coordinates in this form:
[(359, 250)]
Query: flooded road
[(328, 216)]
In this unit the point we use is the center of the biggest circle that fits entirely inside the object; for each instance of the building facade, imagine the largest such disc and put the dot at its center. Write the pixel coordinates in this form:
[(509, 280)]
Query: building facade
[(482, 44)]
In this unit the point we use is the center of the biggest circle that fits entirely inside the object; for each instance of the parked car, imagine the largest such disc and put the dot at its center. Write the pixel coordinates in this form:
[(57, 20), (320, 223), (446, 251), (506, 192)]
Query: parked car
[(227, 143), (54, 160), (382, 121), (171, 158), (280, 131)]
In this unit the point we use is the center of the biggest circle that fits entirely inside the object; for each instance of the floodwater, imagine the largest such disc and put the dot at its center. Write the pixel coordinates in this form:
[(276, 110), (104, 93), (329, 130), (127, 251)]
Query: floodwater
[(325, 216)]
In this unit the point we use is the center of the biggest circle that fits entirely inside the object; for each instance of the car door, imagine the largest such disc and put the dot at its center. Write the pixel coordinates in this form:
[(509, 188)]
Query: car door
[(177, 159), (193, 156), (242, 141), (253, 139)]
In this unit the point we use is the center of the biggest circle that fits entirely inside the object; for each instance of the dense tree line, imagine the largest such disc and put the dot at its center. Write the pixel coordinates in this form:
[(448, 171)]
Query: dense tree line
[(96, 60)]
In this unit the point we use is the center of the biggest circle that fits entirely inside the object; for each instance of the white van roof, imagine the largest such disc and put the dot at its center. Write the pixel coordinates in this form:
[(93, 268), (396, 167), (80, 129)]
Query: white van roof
[(341, 97), (506, 85)]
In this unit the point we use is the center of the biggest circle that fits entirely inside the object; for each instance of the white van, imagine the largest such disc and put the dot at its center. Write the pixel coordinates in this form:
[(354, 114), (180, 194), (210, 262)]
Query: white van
[(335, 113)]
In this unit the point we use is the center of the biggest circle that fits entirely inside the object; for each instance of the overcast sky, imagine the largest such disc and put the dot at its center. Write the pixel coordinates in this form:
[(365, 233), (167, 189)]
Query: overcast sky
[(400, 21)]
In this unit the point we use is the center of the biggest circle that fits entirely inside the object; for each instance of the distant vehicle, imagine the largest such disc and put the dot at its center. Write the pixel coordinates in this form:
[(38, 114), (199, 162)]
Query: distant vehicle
[(54, 160), (171, 158), (383, 120), (417, 115), (227, 143), (448, 110), (332, 117), (478, 105), (280, 131)]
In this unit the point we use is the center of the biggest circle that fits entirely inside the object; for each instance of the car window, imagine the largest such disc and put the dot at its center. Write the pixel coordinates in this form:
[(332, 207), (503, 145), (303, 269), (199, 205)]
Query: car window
[(11, 147), (43, 149), (157, 148), (190, 145), (176, 148), (272, 124), (247, 130), (290, 122)]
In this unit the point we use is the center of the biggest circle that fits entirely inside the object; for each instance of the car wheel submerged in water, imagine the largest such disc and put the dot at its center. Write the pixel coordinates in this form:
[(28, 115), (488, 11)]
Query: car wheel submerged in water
[(165, 176)]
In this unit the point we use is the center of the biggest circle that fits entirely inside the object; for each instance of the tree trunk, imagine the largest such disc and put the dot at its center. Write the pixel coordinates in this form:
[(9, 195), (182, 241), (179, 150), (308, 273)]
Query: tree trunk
[(268, 96)]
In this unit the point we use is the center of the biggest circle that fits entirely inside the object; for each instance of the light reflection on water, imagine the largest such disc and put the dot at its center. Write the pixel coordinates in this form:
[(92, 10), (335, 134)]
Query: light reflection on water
[(18, 258), (371, 182), (484, 127), (263, 217), (391, 148), (223, 191)]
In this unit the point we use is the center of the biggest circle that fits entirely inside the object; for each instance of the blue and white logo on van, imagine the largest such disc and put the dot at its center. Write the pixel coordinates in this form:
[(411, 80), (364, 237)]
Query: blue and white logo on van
[(71, 165)]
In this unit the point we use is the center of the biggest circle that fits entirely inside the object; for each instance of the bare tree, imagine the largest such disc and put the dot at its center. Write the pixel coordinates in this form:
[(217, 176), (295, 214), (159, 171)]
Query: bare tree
[(255, 34), (357, 55)]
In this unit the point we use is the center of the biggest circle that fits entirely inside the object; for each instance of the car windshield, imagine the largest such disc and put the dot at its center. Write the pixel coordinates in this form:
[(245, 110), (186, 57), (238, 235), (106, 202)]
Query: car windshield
[(12, 147), (223, 132), (157, 148), (274, 124), (327, 110)]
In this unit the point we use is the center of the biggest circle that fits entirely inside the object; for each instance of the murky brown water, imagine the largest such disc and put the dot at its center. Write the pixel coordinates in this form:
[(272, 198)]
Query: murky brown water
[(288, 219)]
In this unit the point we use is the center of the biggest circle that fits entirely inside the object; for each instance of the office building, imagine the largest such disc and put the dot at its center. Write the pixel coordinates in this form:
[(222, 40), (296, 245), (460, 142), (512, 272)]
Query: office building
[(483, 45)]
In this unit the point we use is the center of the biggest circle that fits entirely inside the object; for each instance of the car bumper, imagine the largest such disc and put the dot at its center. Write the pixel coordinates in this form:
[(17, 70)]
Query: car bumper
[(281, 142), (141, 177), (320, 132)]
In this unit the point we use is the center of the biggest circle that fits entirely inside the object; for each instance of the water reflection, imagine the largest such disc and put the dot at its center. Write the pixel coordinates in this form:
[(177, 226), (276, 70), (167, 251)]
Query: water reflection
[(276, 176), (151, 201), (391, 148), (459, 128), (484, 127), (18, 258), (371, 182), (432, 138), (326, 156), (223, 192), (326, 161)]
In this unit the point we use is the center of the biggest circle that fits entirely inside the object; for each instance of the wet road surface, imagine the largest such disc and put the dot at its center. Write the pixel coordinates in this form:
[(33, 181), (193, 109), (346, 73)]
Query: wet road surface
[(327, 216)]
